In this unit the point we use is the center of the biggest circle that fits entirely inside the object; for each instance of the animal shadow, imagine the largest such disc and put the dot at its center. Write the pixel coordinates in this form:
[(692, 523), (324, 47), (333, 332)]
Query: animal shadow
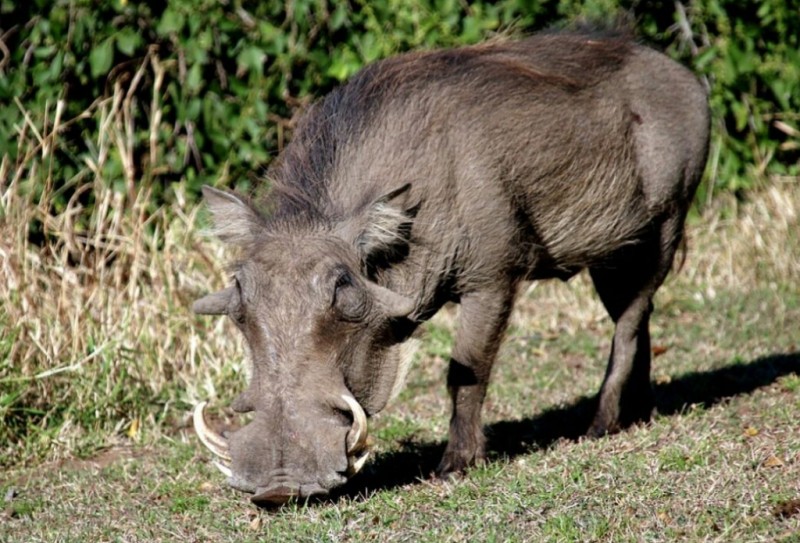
[(414, 462)]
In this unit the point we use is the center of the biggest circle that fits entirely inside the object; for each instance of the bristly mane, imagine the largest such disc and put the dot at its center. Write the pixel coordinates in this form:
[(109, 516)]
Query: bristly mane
[(568, 60)]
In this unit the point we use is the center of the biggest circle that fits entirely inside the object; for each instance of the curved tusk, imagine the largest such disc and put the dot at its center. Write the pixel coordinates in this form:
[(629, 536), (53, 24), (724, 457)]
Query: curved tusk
[(226, 471), (357, 436), (212, 440), (356, 466)]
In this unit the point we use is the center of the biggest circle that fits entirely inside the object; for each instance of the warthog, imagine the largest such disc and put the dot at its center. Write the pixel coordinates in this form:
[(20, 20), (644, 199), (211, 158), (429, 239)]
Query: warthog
[(449, 176)]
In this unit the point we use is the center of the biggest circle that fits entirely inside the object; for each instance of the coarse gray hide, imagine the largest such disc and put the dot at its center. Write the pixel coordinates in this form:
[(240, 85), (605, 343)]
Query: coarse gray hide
[(449, 176)]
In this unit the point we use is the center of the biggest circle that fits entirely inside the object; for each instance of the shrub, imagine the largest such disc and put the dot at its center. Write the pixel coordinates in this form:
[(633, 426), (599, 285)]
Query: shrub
[(224, 80)]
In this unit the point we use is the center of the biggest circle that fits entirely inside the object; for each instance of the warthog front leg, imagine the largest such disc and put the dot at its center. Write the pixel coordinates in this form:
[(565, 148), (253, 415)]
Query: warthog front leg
[(482, 322)]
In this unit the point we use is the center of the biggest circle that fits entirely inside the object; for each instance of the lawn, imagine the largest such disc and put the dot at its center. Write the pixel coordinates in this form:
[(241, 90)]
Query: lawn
[(98, 446)]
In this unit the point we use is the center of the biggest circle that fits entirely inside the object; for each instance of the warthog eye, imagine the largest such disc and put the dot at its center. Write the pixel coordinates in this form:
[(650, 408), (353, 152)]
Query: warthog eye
[(349, 299), (344, 279)]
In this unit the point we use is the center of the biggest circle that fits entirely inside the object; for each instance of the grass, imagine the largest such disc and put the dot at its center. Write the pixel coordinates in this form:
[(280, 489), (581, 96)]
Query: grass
[(100, 361), (98, 342)]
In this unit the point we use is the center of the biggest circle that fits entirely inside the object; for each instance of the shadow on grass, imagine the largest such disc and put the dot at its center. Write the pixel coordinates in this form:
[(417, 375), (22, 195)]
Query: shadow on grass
[(507, 439)]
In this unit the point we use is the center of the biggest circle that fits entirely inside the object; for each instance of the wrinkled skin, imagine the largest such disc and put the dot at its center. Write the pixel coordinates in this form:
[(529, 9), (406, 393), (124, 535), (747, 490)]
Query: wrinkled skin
[(441, 177)]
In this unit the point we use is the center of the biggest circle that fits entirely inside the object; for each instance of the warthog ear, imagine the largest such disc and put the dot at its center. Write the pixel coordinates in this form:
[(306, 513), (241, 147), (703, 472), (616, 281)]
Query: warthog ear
[(235, 221), (382, 231), (214, 304)]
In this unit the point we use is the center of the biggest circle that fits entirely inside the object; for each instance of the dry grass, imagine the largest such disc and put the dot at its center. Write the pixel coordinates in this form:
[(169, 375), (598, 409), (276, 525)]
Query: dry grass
[(738, 245), (97, 284)]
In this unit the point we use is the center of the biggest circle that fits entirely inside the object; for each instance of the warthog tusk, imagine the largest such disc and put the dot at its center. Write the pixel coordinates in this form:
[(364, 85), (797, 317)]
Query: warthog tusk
[(356, 465), (212, 440), (357, 436), (226, 471)]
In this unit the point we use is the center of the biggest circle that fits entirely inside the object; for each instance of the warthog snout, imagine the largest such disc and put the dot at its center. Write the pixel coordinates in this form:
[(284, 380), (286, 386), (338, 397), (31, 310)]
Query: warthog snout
[(271, 458)]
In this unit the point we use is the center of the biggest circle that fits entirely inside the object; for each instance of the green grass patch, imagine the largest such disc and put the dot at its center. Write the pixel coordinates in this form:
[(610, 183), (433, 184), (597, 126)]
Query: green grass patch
[(715, 464)]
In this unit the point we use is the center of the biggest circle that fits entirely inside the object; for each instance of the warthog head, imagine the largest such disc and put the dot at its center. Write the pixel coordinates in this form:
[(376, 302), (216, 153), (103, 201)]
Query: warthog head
[(324, 343)]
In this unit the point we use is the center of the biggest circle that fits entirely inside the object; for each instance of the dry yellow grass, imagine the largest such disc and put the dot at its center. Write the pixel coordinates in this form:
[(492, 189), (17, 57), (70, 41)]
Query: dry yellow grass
[(737, 245), (96, 287)]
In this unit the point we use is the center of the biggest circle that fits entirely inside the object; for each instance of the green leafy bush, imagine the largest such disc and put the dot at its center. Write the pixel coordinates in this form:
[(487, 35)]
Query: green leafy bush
[(750, 53), (212, 87)]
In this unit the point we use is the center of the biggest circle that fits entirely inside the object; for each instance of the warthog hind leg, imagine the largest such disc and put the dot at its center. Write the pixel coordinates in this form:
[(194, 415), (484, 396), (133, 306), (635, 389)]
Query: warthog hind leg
[(626, 287)]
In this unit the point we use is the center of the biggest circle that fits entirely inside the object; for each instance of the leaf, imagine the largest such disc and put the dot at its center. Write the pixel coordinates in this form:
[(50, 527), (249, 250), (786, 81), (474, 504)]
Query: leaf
[(740, 113), (472, 30), (101, 57), (773, 462), (250, 59), (44, 52), (658, 350), (339, 17), (269, 32), (171, 22), (370, 48), (133, 431), (194, 78), (127, 41), (344, 65), (705, 58)]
